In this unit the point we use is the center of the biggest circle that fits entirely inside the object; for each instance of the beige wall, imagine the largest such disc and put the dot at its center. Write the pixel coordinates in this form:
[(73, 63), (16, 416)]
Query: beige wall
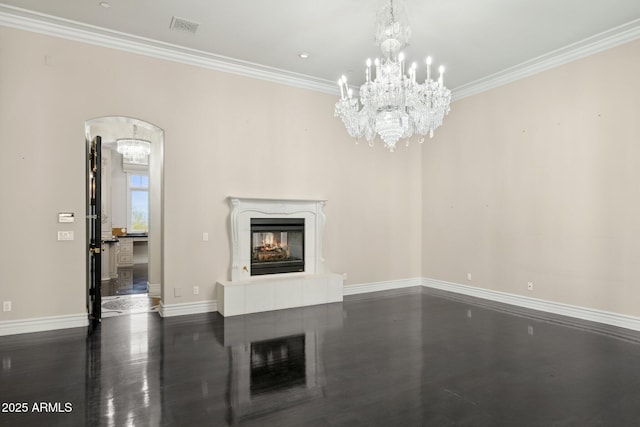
[(534, 181), (224, 135), (539, 180)]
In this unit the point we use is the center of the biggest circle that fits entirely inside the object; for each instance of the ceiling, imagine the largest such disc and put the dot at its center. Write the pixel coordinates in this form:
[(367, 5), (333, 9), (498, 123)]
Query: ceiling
[(472, 38)]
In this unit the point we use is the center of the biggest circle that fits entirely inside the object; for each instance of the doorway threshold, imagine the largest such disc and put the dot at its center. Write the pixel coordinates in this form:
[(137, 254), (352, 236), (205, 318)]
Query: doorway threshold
[(121, 305)]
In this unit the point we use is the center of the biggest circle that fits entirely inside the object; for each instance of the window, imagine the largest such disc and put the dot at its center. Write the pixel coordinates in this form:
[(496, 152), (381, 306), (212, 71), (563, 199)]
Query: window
[(138, 203)]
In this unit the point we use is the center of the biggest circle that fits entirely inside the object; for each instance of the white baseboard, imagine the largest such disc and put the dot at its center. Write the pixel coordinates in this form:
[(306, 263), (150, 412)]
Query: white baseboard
[(41, 324), (154, 290), (198, 307), (577, 312), (381, 286), (567, 310)]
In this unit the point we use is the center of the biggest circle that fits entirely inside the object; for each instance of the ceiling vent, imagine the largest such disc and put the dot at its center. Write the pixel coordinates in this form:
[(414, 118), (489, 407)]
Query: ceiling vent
[(181, 24)]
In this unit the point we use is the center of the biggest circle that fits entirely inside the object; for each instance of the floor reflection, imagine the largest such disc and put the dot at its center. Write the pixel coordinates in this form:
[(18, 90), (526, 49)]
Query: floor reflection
[(389, 360), (123, 379), (276, 359), (277, 364)]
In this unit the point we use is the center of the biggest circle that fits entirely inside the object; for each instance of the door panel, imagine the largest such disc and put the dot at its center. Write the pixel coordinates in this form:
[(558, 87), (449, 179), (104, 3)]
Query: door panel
[(94, 232)]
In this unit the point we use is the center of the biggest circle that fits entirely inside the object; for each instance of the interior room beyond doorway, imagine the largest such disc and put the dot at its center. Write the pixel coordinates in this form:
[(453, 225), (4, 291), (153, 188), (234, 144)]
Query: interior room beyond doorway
[(131, 211)]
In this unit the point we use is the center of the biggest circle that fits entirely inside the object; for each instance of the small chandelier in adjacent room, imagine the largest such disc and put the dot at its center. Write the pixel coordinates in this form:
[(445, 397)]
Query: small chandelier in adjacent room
[(134, 150), (393, 104)]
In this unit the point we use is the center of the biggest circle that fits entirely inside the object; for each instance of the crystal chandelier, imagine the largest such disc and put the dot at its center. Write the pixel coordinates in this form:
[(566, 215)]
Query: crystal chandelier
[(393, 104), (134, 150)]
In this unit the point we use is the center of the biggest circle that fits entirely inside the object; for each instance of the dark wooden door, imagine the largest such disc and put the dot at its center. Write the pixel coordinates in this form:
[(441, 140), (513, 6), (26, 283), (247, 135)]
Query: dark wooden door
[(94, 231)]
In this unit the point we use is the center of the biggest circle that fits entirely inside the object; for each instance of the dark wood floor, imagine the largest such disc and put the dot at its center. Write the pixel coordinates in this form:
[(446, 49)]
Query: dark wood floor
[(403, 360)]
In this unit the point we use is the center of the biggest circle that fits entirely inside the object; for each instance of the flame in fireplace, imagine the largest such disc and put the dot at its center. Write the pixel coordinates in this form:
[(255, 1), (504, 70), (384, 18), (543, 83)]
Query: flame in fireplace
[(271, 249), (269, 241)]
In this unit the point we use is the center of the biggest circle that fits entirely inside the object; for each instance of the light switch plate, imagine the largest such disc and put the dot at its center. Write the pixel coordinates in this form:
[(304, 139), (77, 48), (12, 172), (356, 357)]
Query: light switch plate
[(65, 235)]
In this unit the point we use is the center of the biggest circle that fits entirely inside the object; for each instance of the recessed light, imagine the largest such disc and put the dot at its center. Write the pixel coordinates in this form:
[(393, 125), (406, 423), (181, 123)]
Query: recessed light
[(105, 4), (304, 55)]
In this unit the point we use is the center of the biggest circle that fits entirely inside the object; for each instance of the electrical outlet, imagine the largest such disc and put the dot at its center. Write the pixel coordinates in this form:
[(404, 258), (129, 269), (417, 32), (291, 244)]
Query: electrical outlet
[(468, 276), (177, 292), (344, 276), (529, 286), (6, 306), (205, 237), (196, 290)]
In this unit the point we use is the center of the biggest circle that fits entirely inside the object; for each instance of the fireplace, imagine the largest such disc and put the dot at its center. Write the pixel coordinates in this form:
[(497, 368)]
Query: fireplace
[(255, 284), (277, 245)]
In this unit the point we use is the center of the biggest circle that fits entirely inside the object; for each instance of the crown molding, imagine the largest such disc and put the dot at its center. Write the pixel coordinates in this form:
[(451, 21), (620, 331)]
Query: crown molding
[(27, 20), (606, 40)]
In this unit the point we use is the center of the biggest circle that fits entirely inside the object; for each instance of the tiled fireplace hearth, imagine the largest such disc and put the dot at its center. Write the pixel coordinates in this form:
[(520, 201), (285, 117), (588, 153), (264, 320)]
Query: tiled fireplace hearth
[(252, 287)]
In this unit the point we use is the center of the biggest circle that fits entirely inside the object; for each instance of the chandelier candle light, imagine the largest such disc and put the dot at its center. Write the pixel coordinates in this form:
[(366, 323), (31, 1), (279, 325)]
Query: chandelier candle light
[(393, 104)]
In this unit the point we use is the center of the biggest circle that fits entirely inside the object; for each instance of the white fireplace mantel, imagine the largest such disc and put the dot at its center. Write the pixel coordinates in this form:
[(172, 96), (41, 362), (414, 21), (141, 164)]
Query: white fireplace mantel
[(246, 294), (243, 209)]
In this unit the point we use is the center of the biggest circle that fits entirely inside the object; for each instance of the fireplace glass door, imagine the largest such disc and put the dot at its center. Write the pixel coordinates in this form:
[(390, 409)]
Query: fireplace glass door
[(277, 245)]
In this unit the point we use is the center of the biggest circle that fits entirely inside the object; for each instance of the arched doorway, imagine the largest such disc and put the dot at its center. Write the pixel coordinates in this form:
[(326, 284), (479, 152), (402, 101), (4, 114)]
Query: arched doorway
[(130, 215)]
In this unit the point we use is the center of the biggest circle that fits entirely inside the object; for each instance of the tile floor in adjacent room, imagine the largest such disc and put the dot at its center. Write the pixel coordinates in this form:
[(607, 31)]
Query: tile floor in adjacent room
[(413, 359), (121, 305)]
